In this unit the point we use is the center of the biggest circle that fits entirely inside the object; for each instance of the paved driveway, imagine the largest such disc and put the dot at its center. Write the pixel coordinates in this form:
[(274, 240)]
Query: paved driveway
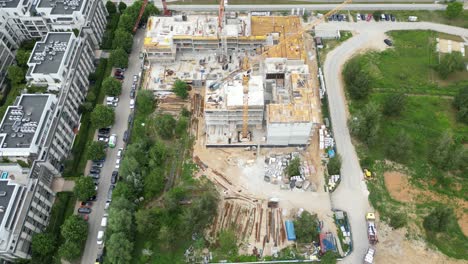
[(352, 194), (122, 112)]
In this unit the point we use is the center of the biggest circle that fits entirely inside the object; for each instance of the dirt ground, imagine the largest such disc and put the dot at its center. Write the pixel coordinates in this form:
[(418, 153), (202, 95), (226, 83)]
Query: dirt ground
[(401, 190)]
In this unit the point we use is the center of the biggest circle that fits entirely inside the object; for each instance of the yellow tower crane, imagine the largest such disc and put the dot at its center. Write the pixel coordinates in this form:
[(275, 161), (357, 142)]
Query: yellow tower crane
[(283, 41)]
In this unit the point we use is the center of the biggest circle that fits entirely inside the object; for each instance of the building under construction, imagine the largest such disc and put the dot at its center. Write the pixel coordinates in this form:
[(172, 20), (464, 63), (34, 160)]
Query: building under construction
[(273, 108)]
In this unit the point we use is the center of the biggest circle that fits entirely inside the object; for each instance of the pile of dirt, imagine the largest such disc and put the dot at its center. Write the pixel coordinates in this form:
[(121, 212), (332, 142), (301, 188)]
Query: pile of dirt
[(401, 190)]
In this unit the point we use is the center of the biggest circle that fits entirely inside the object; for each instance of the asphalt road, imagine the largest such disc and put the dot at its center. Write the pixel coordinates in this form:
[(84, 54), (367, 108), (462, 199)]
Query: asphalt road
[(122, 112), (352, 193), (319, 7)]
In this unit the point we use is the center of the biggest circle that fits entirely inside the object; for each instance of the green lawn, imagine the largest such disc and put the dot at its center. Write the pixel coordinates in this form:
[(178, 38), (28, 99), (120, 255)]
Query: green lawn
[(428, 113)]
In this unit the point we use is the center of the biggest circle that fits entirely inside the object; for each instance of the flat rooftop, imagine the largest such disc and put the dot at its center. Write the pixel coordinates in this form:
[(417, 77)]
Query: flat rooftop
[(22, 121), (61, 7), (9, 3), (264, 25), (7, 190), (230, 94), (47, 55)]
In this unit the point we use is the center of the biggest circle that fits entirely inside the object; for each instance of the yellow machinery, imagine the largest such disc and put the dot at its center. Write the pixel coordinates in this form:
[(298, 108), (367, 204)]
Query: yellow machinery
[(367, 174), (283, 41)]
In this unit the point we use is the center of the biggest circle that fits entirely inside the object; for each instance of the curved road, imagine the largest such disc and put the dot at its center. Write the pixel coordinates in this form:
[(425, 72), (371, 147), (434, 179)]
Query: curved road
[(352, 193)]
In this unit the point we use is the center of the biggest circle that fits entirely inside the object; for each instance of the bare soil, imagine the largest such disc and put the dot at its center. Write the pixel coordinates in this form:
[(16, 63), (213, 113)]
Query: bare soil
[(401, 190)]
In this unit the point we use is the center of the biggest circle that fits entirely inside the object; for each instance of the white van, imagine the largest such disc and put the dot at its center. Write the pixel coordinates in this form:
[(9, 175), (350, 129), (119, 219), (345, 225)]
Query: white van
[(104, 221), (100, 237)]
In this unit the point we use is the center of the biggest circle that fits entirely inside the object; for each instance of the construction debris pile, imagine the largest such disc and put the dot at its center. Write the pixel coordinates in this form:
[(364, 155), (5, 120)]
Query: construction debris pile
[(326, 140), (341, 220), (275, 166), (333, 182)]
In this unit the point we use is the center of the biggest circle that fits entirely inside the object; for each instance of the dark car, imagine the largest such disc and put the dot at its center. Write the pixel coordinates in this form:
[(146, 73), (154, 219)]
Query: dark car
[(120, 77), (104, 130), (98, 165), (100, 160), (125, 136), (130, 119), (115, 175), (86, 204), (392, 17), (387, 17), (109, 193), (94, 176), (84, 210), (388, 42), (95, 171), (96, 181), (132, 94), (92, 198), (363, 17)]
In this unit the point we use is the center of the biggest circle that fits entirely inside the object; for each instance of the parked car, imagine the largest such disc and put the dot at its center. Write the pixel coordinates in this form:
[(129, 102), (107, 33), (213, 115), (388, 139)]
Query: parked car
[(117, 163), (392, 17), (104, 221), (105, 130), (120, 152), (86, 204), (103, 139), (100, 237), (92, 198), (84, 216), (135, 78), (363, 17), (133, 86), (109, 194), (107, 205), (96, 181), (121, 69), (98, 164), (84, 210), (382, 17), (115, 175), (388, 42), (95, 171), (369, 17), (132, 94), (130, 119), (125, 136), (94, 176), (100, 160), (358, 17), (132, 103), (119, 77)]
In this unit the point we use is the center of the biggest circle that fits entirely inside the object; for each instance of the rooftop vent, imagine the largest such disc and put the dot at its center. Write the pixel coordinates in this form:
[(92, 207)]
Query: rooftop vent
[(3, 194), (2, 209)]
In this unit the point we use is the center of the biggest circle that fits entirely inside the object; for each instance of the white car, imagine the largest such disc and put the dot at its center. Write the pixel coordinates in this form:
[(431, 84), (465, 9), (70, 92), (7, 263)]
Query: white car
[(100, 237), (117, 163), (104, 221), (107, 205), (119, 153), (103, 139), (135, 78), (358, 17), (132, 103)]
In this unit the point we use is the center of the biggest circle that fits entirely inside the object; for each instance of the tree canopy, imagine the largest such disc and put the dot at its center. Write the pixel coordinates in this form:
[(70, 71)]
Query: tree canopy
[(43, 244), (293, 168), (227, 245), (15, 74), (461, 104), (119, 249), (180, 89), (123, 39), (399, 148), (164, 125), (111, 8), (22, 57), (439, 219), (357, 79), (450, 63), (454, 9), (145, 102), (365, 125), (102, 116), (84, 188), (96, 150), (334, 165), (306, 227), (122, 7), (126, 22), (112, 86), (75, 231), (119, 58), (394, 104)]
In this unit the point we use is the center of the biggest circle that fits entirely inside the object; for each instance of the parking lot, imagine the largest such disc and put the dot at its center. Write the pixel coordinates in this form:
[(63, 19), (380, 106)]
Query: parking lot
[(104, 172)]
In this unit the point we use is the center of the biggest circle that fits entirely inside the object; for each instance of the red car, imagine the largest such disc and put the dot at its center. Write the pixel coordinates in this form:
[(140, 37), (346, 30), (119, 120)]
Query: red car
[(86, 204), (85, 217), (369, 17)]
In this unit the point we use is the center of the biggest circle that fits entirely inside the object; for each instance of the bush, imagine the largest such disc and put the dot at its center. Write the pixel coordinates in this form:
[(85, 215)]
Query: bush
[(84, 188), (165, 125), (334, 165), (394, 104), (306, 227), (454, 9), (450, 63), (180, 89), (399, 148), (461, 104), (96, 150), (356, 79), (365, 125), (102, 116), (397, 220), (293, 168), (111, 86), (439, 219), (119, 58)]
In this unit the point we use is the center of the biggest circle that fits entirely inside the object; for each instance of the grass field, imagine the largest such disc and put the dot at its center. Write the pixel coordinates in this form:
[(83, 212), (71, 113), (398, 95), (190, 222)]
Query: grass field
[(428, 113), (279, 2)]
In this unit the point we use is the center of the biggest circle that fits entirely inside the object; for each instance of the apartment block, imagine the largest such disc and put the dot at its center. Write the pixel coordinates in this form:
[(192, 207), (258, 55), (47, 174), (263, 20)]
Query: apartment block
[(26, 200)]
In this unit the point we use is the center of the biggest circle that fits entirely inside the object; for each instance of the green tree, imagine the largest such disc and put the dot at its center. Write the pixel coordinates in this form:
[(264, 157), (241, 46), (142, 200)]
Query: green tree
[(185, 112), (439, 219), (85, 107), (158, 153), (394, 104), (43, 245), (165, 237), (461, 104), (153, 183), (148, 221), (123, 39), (70, 251), (454, 9), (446, 154), (399, 148), (129, 166), (377, 14), (450, 63), (145, 102), (112, 86), (126, 22), (122, 203), (306, 227), (102, 116), (334, 165), (15, 74), (22, 57), (366, 124), (119, 249), (397, 220), (84, 188), (357, 79), (91, 96), (328, 258), (122, 7), (74, 229), (119, 58), (124, 190), (164, 125), (227, 245), (111, 9), (180, 89), (96, 150), (120, 221), (293, 168), (150, 10), (181, 126)]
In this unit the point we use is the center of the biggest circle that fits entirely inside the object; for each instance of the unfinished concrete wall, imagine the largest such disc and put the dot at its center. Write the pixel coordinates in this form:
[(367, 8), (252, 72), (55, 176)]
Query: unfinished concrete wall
[(283, 134)]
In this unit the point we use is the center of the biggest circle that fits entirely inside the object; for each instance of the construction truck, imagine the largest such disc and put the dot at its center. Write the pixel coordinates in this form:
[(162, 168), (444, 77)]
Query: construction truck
[(369, 257), (371, 229), (368, 174)]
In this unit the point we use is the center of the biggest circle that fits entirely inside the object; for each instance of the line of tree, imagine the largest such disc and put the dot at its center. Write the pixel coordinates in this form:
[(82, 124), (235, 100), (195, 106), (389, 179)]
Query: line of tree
[(357, 79), (74, 230), (460, 102)]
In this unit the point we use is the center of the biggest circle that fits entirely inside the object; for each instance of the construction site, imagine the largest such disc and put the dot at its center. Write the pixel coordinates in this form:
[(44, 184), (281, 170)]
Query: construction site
[(255, 103)]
